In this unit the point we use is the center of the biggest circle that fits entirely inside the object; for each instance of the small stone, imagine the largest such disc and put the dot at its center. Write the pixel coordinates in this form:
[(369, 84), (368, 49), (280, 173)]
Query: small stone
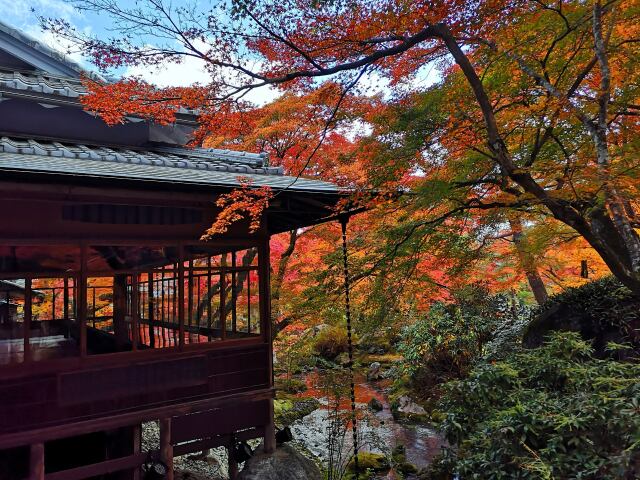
[(392, 475), (375, 405), (374, 371), (407, 406), (343, 359), (318, 328)]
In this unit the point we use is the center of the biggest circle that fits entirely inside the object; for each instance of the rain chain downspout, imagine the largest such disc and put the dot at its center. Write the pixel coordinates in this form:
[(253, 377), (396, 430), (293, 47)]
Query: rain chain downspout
[(354, 425)]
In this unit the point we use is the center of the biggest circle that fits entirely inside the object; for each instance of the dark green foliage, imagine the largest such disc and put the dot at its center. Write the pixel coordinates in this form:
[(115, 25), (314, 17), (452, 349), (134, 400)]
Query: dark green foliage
[(290, 385), (551, 412), (447, 342), (399, 460), (602, 311)]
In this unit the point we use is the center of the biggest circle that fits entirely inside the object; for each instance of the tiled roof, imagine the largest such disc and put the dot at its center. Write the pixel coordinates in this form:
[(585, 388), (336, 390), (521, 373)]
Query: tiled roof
[(162, 164), (197, 158), (70, 89), (41, 83), (51, 85)]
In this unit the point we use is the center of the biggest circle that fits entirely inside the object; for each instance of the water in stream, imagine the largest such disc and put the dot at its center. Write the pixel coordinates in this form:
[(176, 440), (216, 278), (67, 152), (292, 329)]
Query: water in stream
[(379, 432)]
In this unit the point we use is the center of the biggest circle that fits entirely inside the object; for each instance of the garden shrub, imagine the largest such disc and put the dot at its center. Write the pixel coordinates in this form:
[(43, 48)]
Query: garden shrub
[(554, 412), (331, 342), (445, 344)]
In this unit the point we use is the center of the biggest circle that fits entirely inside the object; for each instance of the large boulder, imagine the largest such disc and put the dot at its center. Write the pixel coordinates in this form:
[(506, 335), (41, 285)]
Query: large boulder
[(284, 464)]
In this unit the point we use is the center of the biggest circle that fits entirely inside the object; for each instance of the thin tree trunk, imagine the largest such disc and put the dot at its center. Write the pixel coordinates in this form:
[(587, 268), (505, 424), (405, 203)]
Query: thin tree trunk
[(527, 262), (215, 288), (276, 285)]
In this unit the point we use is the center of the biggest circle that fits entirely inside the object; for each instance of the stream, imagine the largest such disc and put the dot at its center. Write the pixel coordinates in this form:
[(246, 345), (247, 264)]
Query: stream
[(378, 432)]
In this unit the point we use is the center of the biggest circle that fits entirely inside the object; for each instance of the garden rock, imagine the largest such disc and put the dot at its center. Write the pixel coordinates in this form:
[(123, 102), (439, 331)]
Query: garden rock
[(408, 407), (375, 405), (374, 371), (343, 359), (318, 328), (284, 464)]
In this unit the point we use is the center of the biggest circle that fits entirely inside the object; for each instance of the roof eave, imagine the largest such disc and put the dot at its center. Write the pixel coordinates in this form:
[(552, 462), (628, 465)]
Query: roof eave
[(19, 46)]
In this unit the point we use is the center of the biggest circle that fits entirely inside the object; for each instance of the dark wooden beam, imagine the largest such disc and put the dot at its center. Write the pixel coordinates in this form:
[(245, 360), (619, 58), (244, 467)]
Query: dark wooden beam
[(129, 418), (166, 449), (264, 280), (97, 469)]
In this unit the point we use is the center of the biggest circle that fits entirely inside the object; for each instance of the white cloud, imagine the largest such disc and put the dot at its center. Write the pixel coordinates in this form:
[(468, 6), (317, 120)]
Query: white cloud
[(189, 71), (61, 45), (23, 15), (20, 13)]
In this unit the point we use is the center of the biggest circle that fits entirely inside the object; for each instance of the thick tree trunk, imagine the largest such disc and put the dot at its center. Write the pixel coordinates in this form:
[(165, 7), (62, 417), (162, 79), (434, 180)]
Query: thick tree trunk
[(606, 231), (599, 132)]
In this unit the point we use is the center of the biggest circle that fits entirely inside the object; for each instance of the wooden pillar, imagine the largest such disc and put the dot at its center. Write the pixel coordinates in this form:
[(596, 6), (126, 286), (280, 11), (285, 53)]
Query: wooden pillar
[(223, 299), (65, 301), (27, 319), (190, 315), (181, 294), (137, 448), (234, 294), (233, 465), (134, 312), (81, 290), (151, 311), (270, 431), (264, 279), (120, 310), (166, 449), (36, 462)]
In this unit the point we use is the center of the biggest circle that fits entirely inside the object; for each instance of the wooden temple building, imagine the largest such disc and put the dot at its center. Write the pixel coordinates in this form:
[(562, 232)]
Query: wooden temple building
[(113, 313)]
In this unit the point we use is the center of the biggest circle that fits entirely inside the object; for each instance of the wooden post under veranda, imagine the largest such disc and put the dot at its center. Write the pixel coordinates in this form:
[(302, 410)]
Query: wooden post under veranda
[(166, 448), (264, 274), (233, 465), (36, 462)]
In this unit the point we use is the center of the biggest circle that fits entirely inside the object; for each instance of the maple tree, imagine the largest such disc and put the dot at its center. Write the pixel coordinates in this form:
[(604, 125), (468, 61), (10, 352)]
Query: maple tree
[(543, 92), (299, 133)]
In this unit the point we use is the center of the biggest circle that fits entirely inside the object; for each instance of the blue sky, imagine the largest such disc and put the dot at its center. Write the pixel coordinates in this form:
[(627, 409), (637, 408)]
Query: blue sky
[(23, 14)]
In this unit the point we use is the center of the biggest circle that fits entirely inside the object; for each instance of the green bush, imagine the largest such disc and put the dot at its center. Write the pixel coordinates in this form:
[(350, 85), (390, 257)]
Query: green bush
[(291, 385), (331, 342), (551, 412), (445, 344)]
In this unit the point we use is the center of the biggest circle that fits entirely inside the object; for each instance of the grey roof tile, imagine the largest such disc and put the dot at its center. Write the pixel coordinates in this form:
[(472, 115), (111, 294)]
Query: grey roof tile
[(164, 164), (42, 83)]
